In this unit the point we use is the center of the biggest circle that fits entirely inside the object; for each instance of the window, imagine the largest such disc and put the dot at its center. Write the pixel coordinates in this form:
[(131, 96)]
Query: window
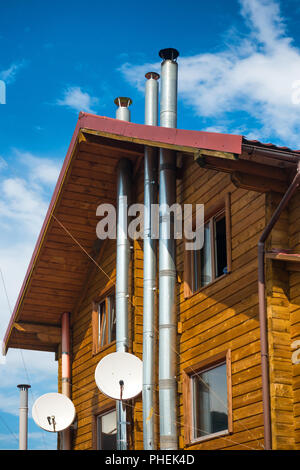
[(104, 322), (207, 398), (213, 259), (107, 431), (209, 390)]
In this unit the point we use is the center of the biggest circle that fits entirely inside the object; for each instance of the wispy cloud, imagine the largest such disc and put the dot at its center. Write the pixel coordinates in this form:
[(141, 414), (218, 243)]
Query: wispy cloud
[(20, 203), (9, 75), (252, 75), (43, 170), (3, 163), (25, 195), (78, 100), (24, 198)]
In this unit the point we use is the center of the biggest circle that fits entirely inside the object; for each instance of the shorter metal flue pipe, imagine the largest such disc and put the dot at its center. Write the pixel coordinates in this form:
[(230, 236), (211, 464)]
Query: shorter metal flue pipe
[(123, 111), (151, 99), (66, 371), (23, 416)]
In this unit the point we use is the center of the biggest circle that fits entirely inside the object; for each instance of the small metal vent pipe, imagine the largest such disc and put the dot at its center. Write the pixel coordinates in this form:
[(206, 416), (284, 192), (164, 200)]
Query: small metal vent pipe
[(150, 264), (167, 265), (123, 111), (66, 372), (23, 416), (124, 171)]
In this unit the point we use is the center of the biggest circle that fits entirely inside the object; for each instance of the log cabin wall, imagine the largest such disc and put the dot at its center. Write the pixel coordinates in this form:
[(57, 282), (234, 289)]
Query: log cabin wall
[(223, 316), (294, 284), (89, 402), (279, 332), (220, 318)]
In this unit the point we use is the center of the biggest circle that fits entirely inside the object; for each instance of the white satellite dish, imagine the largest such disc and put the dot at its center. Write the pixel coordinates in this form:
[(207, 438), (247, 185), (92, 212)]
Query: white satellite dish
[(119, 375), (53, 412)]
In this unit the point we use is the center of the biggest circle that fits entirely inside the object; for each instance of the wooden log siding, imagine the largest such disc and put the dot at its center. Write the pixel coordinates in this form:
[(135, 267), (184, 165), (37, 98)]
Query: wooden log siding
[(279, 334), (220, 317), (294, 308), (86, 396), (224, 315)]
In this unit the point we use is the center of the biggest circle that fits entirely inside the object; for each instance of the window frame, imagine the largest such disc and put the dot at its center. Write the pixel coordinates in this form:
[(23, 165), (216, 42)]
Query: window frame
[(96, 415), (96, 331), (223, 206), (188, 374)]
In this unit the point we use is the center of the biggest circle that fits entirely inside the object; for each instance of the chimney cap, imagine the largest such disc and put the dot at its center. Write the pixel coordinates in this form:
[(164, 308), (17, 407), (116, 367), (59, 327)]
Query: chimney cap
[(153, 75), (168, 54), (123, 101), (24, 386)]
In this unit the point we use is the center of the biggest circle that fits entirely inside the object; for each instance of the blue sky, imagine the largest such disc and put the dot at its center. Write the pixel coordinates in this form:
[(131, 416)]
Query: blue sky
[(238, 64)]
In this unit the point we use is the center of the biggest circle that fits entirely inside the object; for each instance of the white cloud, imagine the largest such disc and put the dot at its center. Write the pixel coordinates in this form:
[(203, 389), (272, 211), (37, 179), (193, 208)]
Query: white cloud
[(21, 204), (269, 27), (3, 163), (9, 75), (25, 195), (7, 437), (33, 367), (24, 199), (42, 170), (253, 75), (9, 402), (78, 100)]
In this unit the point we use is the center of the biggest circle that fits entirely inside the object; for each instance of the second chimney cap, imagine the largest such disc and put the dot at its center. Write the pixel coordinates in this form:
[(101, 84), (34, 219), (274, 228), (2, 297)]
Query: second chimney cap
[(168, 54), (153, 75)]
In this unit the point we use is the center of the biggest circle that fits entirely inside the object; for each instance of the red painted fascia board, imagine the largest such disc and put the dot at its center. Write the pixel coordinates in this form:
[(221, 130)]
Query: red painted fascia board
[(177, 137)]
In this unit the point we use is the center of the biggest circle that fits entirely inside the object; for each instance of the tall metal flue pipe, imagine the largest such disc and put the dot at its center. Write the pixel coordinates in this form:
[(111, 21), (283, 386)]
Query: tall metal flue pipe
[(124, 171), (150, 264), (167, 263)]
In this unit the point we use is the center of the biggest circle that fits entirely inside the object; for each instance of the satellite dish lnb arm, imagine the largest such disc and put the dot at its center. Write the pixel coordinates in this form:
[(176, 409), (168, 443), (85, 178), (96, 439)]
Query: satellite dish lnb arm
[(121, 382)]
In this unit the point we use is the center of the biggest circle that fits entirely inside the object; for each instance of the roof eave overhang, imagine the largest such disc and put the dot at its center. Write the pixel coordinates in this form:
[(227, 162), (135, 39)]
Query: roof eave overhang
[(223, 145)]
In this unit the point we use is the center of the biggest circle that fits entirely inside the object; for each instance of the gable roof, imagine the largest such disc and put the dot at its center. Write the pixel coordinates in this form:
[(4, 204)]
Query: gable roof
[(58, 265)]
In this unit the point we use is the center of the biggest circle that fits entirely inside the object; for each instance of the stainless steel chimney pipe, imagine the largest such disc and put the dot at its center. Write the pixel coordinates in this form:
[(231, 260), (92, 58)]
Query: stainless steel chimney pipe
[(151, 99), (150, 251), (122, 265), (167, 266), (168, 95), (23, 416), (123, 111), (66, 374)]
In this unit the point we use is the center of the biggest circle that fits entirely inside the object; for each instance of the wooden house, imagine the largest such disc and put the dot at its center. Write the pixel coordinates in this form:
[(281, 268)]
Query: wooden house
[(218, 335)]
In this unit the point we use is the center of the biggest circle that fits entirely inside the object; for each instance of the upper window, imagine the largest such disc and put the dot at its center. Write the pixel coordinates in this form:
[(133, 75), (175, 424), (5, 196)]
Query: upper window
[(213, 259), (107, 431), (208, 400), (104, 322)]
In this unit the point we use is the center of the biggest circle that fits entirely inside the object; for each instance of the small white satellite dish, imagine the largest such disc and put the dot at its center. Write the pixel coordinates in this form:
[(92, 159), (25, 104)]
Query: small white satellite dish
[(119, 376), (53, 412)]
